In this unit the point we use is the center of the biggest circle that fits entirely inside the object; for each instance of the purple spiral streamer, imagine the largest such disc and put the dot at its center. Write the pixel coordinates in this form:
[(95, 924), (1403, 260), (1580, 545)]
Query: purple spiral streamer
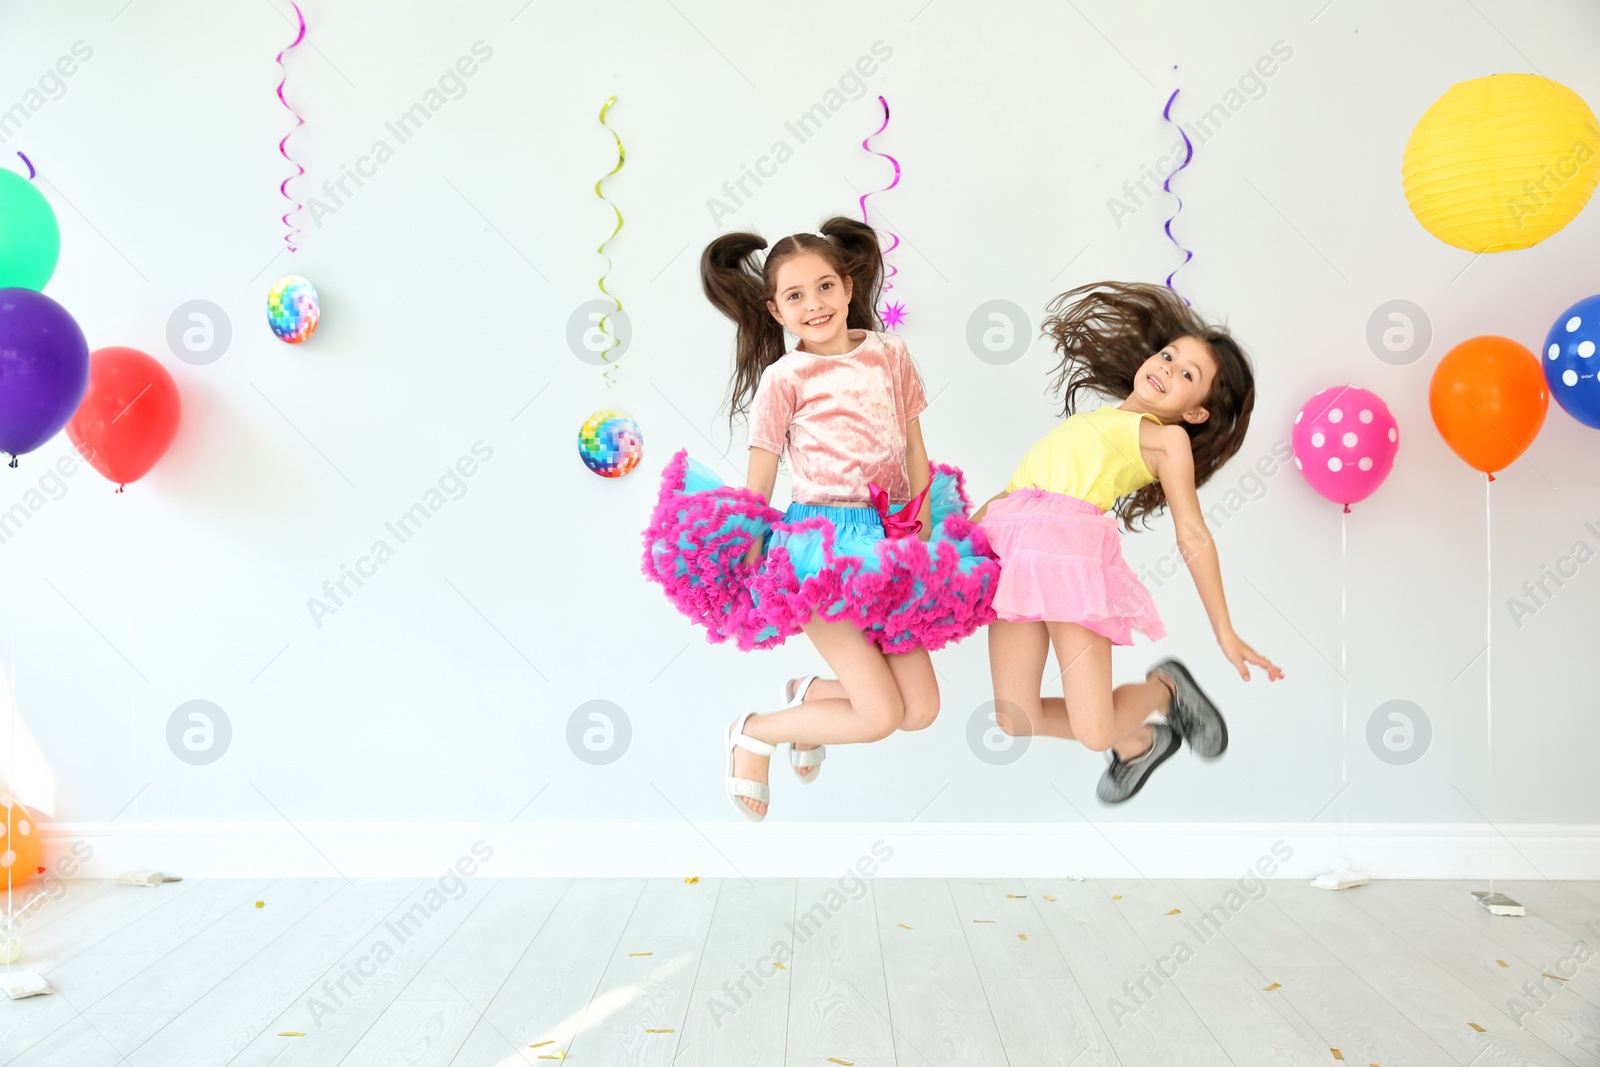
[(29, 162), (298, 122), (1188, 154)]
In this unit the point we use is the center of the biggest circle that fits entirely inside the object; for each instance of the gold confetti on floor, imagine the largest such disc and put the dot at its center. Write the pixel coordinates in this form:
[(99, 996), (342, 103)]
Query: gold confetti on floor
[(1503, 963), (641, 953), (558, 1054), (261, 903), (846, 1063), (665, 1030), (691, 880), (1174, 911), (1022, 937), (983, 920), (1050, 899), (1116, 896), (1478, 1028), (290, 1033), (778, 965), (1336, 1054), (1557, 977), (542, 1044), (903, 926), (1016, 896), (1270, 988)]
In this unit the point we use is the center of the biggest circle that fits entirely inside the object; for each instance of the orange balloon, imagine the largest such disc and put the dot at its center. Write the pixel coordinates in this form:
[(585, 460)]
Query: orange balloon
[(19, 842), (1488, 399)]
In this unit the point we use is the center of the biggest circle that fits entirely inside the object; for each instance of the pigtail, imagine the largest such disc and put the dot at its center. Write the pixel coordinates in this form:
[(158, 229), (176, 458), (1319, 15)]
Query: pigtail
[(732, 280), (863, 261)]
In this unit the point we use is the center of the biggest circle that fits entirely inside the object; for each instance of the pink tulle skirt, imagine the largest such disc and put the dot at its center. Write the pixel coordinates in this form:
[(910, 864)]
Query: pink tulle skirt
[(1061, 561)]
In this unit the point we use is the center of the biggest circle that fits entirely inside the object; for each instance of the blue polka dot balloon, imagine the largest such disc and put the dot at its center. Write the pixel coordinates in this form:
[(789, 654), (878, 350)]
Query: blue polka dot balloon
[(1571, 367)]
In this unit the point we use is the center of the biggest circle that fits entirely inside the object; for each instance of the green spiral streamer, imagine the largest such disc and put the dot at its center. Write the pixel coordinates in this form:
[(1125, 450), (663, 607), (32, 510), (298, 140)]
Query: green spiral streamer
[(621, 158)]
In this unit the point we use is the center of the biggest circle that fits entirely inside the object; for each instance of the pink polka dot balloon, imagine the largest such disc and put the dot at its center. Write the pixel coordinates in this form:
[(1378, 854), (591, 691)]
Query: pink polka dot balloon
[(1344, 443)]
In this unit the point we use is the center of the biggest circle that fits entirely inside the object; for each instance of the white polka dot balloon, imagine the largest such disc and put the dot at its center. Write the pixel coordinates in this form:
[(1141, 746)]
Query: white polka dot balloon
[(1345, 441), (1571, 367)]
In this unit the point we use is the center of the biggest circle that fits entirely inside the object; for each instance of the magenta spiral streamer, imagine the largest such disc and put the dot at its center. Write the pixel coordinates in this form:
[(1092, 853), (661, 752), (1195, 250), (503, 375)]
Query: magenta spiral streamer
[(298, 122)]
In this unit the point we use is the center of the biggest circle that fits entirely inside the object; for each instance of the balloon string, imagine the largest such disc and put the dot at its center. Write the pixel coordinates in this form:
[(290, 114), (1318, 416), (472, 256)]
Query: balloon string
[(283, 187), (11, 708), (1344, 671), (1488, 653), (888, 282), (621, 158), (1188, 154), (29, 162)]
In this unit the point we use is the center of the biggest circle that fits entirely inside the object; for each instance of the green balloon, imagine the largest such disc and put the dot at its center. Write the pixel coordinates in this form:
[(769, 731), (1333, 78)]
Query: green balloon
[(30, 240)]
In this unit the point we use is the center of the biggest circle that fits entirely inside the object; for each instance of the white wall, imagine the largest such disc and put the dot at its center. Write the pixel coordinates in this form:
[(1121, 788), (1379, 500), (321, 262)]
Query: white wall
[(442, 690)]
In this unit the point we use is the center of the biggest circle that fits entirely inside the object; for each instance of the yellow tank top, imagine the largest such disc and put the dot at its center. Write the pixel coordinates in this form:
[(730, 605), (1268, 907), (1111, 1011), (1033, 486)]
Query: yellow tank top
[(1094, 456)]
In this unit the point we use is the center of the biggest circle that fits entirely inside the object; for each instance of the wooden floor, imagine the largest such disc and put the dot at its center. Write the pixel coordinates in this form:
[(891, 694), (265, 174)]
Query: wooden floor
[(910, 972)]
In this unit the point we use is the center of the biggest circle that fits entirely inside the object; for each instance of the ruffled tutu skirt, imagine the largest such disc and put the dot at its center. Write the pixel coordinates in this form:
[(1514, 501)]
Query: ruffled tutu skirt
[(1061, 561), (828, 563)]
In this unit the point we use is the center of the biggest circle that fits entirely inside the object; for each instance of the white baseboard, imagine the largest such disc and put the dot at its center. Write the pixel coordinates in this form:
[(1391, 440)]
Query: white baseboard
[(826, 850)]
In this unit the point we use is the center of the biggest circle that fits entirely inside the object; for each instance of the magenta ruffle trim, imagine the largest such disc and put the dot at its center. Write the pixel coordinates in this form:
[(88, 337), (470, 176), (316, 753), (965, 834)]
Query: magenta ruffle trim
[(920, 595)]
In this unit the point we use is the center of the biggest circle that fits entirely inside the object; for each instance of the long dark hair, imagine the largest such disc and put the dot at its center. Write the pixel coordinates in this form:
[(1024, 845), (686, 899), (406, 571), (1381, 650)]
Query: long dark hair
[(1105, 331), (739, 287)]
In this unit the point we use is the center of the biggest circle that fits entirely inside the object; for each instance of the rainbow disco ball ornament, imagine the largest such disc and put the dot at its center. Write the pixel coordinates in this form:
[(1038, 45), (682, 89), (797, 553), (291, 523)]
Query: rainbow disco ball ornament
[(292, 309), (610, 444)]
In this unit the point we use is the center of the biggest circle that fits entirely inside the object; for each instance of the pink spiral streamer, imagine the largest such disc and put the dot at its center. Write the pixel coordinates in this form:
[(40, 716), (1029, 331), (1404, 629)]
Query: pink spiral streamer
[(283, 187)]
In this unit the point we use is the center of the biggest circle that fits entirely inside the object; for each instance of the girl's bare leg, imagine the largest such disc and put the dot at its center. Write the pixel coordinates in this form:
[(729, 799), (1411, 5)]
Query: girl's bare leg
[(870, 708), (821, 689), (1017, 655), (1101, 718), (1091, 711), (919, 687)]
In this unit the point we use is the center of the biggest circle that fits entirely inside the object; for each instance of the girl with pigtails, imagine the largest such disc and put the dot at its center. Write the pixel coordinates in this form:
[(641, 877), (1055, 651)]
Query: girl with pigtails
[(874, 559)]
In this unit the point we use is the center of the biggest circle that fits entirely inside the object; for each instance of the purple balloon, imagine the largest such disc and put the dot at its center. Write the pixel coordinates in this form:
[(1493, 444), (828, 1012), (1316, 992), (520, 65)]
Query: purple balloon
[(44, 369)]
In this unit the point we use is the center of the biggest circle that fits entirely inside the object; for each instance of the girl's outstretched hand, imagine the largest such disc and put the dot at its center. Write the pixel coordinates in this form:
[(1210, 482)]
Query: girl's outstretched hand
[(1239, 654)]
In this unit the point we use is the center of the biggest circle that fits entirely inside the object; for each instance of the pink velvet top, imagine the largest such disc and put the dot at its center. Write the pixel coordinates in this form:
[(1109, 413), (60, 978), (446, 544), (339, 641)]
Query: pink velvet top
[(840, 421)]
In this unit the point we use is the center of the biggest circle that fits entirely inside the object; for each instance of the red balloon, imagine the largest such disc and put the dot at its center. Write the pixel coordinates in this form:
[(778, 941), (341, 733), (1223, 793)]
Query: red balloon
[(128, 416)]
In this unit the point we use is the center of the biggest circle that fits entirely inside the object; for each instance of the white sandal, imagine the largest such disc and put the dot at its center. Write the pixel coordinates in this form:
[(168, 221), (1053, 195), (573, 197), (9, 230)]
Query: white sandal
[(810, 757), (747, 787)]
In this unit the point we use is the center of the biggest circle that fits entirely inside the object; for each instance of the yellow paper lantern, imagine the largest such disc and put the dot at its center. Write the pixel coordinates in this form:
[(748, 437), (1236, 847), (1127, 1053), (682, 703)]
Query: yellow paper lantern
[(1502, 162)]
